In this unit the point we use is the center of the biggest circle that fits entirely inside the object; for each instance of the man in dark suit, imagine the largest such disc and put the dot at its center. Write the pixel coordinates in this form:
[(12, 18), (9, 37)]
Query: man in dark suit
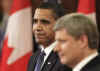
[(78, 48), (43, 21)]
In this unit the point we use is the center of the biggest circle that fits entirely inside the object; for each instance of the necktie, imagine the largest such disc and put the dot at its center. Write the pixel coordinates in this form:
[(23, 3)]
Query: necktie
[(39, 61)]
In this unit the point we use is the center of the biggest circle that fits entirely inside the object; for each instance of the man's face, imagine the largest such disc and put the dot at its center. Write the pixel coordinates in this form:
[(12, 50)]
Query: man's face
[(43, 23), (69, 49)]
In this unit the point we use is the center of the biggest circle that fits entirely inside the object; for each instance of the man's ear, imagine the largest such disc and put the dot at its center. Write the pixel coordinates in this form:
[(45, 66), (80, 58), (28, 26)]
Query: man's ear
[(84, 41)]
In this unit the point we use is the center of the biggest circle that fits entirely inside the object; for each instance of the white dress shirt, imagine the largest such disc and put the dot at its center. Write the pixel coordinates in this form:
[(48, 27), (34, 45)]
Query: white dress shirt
[(47, 50), (79, 66)]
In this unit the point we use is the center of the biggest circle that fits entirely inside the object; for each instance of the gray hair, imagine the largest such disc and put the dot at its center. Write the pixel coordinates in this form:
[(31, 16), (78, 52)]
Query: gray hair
[(78, 24)]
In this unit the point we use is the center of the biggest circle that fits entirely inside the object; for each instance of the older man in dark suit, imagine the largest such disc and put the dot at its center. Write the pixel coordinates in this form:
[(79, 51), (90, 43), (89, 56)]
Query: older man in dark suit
[(78, 48)]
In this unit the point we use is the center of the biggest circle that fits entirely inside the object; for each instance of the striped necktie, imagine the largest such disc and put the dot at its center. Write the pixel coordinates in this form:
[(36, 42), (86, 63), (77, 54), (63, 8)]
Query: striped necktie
[(40, 61)]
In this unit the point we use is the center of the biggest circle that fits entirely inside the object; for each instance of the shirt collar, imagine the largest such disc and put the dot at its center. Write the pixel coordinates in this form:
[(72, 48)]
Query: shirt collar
[(79, 66), (48, 49)]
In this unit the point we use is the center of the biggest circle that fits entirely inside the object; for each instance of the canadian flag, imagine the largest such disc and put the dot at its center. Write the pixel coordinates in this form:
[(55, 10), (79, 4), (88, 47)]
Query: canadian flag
[(87, 7), (17, 47)]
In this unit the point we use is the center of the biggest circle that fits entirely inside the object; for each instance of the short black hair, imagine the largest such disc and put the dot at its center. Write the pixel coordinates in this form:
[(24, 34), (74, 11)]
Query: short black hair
[(56, 8)]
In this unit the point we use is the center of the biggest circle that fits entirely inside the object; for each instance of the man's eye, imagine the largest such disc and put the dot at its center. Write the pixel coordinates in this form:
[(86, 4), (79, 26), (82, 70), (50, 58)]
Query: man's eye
[(34, 20), (45, 22), (42, 21), (62, 41)]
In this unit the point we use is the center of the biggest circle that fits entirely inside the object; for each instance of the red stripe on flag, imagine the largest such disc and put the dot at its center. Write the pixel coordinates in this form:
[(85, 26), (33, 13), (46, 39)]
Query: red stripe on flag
[(19, 65), (19, 4), (86, 6), (6, 53)]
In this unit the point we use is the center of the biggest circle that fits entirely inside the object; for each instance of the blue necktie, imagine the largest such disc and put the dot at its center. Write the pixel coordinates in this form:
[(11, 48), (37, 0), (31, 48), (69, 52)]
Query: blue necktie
[(39, 61)]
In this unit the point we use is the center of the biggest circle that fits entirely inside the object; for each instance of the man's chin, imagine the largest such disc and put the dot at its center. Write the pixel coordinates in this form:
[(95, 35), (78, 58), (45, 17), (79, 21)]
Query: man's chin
[(40, 41), (63, 61)]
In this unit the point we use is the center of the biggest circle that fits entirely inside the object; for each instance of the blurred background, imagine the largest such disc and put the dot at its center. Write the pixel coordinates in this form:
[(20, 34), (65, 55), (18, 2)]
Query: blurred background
[(89, 7), (71, 5)]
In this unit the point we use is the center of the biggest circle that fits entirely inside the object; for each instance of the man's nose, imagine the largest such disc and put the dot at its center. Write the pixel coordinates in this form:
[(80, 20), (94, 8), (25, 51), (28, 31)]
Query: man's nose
[(39, 27)]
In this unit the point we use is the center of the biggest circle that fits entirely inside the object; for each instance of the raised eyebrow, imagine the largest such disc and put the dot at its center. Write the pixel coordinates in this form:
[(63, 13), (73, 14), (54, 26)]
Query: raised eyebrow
[(60, 40), (45, 21)]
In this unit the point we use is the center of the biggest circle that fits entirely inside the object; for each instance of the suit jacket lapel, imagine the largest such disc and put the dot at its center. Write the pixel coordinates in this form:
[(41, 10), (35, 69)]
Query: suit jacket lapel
[(91, 64), (33, 61), (51, 60)]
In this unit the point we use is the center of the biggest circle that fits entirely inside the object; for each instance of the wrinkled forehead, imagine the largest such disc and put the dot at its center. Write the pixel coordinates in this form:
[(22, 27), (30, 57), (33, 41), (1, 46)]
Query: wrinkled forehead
[(43, 13)]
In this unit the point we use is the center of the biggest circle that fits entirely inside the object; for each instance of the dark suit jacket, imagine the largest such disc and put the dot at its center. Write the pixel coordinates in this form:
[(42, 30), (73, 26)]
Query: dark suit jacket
[(93, 65), (53, 65)]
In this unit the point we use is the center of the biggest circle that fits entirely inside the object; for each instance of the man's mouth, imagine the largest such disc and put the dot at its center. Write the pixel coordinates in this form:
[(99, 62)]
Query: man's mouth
[(40, 36)]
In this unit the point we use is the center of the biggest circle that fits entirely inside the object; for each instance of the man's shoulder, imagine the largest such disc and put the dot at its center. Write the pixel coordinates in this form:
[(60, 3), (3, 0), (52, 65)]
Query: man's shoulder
[(95, 61), (93, 65)]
